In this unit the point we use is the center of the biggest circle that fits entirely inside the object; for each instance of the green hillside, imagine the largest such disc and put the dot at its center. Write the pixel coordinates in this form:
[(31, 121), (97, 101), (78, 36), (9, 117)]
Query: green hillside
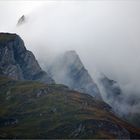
[(34, 110)]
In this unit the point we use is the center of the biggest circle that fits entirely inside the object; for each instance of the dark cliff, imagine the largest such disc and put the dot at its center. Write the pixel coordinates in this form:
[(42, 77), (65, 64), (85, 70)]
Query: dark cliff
[(17, 62)]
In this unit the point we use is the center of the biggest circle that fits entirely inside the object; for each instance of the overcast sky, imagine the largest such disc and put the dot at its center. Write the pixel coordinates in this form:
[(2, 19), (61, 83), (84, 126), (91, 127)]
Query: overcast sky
[(105, 33)]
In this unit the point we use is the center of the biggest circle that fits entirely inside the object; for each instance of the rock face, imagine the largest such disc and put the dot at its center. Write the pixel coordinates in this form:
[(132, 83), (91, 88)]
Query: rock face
[(21, 20), (112, 92), (69, 70), (17, 62), (111, 87), (115, 98)]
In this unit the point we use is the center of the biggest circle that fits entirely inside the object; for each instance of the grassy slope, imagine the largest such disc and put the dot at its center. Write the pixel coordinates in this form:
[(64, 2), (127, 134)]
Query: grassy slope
[(34, 110)]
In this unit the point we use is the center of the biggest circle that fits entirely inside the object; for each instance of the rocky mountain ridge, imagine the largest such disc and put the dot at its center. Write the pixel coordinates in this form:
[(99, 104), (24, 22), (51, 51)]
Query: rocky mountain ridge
[(33, 106), (68, 69), (17, 62), (113, 94)]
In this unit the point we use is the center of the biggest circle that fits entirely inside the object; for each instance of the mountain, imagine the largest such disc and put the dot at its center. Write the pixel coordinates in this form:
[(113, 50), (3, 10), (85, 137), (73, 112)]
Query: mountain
[(69, 70), (17, 62), (21, 20), (33, 106), (134, 113), (30, 109), (112, 92), (115, 98)]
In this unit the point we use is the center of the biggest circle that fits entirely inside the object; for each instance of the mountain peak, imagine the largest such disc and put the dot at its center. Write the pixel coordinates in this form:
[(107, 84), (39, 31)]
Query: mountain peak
[(71, 53), (17, 62), (6, 37), (72, 58), (21, 20), (69, 70)]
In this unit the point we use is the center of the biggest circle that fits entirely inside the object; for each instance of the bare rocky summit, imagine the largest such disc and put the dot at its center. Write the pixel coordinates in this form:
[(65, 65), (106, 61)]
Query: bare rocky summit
[(17, 62), (68, 69)]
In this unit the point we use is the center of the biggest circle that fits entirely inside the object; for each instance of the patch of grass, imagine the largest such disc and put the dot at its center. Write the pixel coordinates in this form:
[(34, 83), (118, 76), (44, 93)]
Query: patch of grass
[(56, 110)]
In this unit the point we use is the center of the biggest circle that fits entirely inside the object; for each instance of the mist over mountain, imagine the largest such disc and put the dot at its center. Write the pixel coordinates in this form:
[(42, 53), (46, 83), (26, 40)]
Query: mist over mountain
[(34, 108), (22, 20), (106, 39), (68, 69), (92, 30), (106, 32), (105, 35), (111, 93)]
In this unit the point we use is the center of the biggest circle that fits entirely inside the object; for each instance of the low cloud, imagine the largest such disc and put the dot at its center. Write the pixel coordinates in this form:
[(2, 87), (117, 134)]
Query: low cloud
[(104, 33)]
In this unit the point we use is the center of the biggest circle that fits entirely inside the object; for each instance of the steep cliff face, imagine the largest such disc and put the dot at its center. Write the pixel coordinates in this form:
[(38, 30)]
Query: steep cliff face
[(17, 62), (127, 107), (111, 88), (112, 93), (69, 70)]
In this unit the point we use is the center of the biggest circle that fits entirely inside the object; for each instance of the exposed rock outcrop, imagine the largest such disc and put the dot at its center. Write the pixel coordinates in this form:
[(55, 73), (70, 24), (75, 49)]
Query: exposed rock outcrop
[(112, 92), (21, 20), (111, 88), (17, 62), (69, 70)]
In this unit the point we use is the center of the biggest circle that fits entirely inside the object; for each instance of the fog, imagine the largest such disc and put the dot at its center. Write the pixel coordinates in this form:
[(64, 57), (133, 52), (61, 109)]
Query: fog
[(105, 34)]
